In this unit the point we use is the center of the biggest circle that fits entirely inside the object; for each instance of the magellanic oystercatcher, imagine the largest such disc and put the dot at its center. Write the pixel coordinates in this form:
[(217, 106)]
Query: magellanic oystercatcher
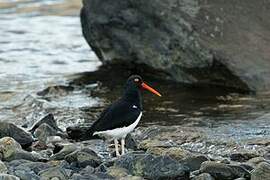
[(122, 116)]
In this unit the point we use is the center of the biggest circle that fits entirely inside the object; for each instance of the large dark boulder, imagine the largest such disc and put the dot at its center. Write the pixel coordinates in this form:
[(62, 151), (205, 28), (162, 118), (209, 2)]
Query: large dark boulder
[(204, 42)]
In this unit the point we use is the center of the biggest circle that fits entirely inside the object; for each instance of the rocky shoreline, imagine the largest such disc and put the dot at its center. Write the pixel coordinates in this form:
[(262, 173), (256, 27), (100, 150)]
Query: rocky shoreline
[(155, 152)]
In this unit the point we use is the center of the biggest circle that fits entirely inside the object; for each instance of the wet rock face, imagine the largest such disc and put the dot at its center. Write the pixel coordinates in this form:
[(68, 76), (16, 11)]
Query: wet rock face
[(191, 41)]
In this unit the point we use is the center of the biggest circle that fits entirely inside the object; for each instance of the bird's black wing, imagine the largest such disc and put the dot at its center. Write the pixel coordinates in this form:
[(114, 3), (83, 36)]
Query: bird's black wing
[(119, 114)]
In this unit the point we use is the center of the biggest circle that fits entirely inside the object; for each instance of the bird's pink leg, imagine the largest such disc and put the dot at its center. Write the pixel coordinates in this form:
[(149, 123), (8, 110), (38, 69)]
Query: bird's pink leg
[(116, 147), (123, 146)]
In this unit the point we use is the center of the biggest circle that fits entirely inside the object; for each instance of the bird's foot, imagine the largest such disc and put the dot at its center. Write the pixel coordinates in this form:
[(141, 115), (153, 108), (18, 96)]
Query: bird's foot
[(117, 154), (123, 152)]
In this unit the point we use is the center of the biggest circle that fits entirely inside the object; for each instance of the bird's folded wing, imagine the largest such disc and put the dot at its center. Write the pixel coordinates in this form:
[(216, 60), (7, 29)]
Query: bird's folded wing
[(119, 114)]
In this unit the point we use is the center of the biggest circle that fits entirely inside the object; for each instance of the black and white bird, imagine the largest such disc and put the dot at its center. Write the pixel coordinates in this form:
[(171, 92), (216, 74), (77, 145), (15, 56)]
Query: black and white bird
[(122, 116)]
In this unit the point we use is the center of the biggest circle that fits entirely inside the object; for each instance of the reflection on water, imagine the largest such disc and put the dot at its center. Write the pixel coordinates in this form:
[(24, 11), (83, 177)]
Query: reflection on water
[(41, 46)]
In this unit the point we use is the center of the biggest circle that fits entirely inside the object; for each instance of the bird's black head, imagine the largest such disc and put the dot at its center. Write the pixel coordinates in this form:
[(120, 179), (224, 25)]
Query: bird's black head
[(132, 91), (135, 80), (135, 83)]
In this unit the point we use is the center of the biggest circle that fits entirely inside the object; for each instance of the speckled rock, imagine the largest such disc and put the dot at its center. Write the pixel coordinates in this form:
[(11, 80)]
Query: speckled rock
[(257, 160), (117, 172), (32, 156), (203, 176), (43, 132), (174, 152), (26, 169), (8, 147), (100, 176), (132, 178), (223, 171), (84, 157), (52, 173), (25, 173), (140, 164), (64, 149), (194, 162), (262, 172), (8, 177), (3, 168), (87, 157), (243, 156), (89, 173)]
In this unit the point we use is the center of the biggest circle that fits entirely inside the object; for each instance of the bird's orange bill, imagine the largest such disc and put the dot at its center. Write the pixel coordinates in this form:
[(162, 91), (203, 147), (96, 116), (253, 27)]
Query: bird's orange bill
[(145, 86)]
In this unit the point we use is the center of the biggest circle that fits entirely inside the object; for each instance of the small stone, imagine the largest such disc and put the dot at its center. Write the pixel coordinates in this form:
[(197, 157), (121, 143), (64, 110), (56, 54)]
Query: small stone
[(65, 150), (129, 177), (223, 171), (262, 172), (90, 176), (130, 142), (87, 170), (8, 147), (102, 168), (21, 154), (243, 156), (52, 173), (87, 157), (8, 177), (43, 132), (267, 156), (53, 140), (174, 152), (150, 143), (25, 169), (55, 178), (77, 176), (49, 120), (140, 164), (194, 162), (203, 176), (3, 168), (257, 160), (36, 166), (117, 172), (84, 158), (25, 173)]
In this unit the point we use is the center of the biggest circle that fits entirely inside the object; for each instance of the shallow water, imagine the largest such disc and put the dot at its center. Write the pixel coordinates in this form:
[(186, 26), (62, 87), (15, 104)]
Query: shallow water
[(41, 46), (38, 49)]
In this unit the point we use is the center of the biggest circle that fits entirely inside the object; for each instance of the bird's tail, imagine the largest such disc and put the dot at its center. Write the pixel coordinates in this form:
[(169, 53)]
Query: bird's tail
[(80, 133)]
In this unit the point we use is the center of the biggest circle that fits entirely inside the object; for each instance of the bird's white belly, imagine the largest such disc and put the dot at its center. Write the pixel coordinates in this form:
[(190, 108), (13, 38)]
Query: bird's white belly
[(120, 132)]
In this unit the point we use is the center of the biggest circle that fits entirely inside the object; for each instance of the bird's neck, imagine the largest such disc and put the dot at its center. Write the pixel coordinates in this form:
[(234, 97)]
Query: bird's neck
[(133, 96)]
